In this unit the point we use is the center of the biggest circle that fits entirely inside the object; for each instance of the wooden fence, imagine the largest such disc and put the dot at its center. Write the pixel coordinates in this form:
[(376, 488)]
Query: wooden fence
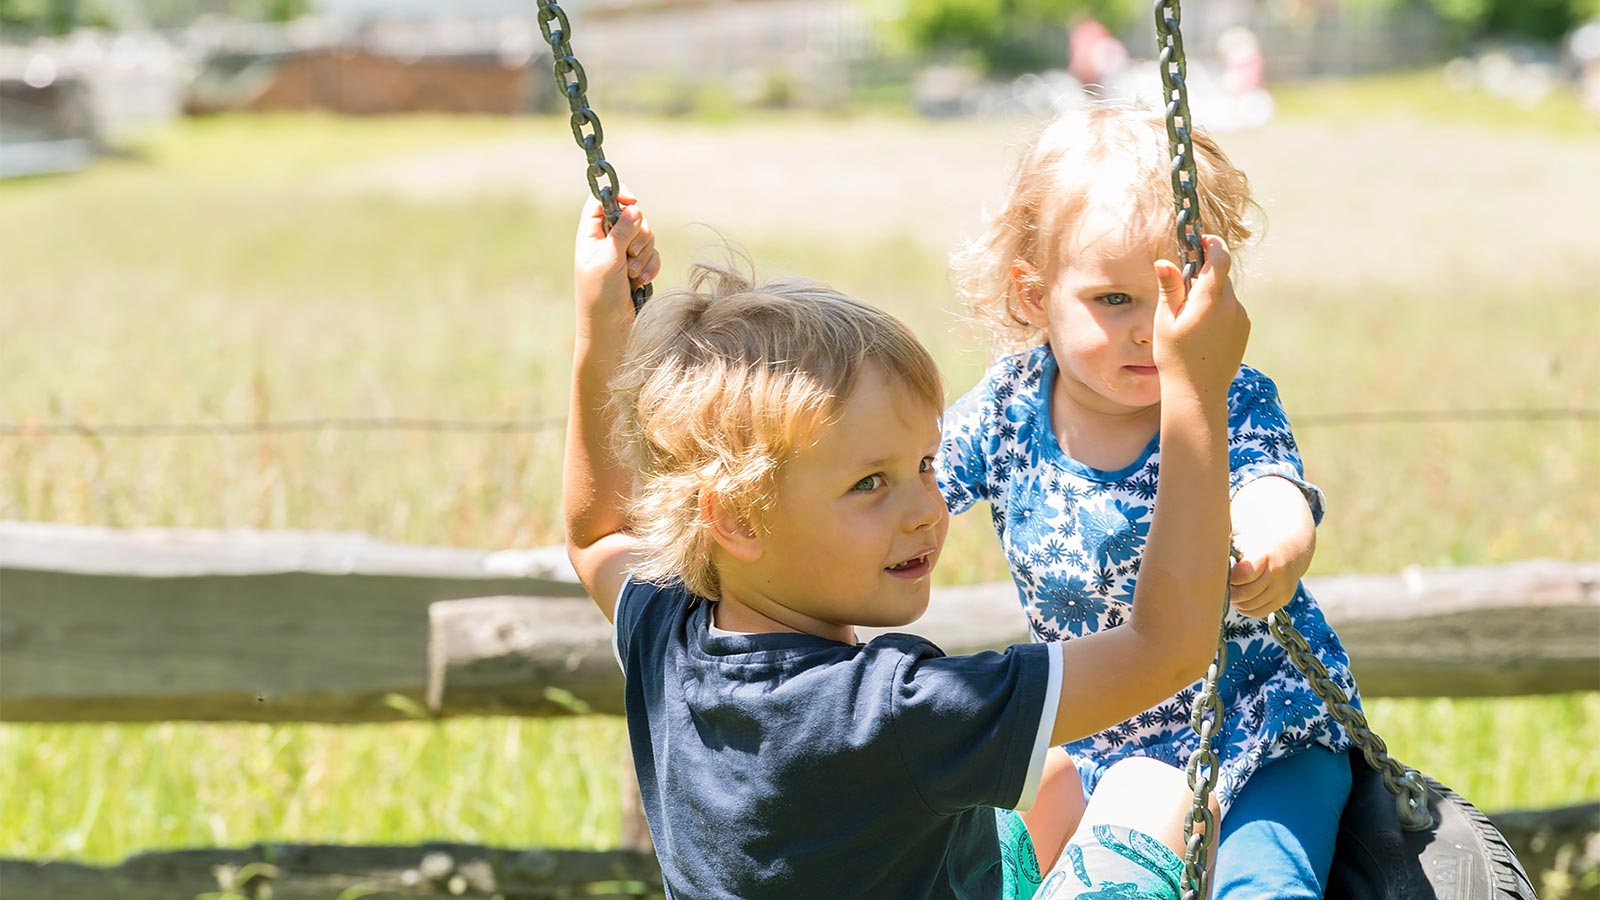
[(152, 625)]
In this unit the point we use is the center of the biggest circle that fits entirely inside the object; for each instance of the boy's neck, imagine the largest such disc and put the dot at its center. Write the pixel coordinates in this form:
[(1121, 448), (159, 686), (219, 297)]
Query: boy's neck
[(762, 616)]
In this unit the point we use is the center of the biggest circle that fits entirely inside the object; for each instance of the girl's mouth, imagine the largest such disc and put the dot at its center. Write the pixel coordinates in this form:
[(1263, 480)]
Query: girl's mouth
[(1141, 370)]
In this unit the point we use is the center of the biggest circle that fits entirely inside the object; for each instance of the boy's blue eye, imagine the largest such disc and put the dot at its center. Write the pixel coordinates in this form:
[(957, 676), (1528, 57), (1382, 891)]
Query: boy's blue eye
[(1116, 299)]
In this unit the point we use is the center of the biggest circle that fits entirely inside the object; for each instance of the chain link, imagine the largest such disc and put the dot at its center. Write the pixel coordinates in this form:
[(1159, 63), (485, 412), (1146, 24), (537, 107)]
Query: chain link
[(1199, 830), (1405, 783), (1185, 180), (586, 130)]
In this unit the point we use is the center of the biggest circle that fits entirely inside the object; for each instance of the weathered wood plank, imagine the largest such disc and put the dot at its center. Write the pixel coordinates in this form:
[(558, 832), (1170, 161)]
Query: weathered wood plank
[(101, 625), (315, 872), (1486, 631)]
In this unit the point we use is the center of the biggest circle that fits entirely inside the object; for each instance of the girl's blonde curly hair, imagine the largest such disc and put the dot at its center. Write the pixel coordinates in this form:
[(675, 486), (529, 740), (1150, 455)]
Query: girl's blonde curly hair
[(1101, 154), (721, 383)]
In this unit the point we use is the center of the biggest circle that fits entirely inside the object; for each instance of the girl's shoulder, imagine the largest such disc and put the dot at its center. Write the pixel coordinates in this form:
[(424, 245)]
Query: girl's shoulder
[(1011, 378), (1251, 386), (1022, 365)]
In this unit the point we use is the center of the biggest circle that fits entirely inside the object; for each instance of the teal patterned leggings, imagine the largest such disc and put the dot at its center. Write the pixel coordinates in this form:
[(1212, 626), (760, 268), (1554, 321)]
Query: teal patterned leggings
[(1109, 863)]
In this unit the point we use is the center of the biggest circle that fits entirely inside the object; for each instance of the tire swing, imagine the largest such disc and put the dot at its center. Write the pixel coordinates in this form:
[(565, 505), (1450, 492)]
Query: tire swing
[(1403, 835)]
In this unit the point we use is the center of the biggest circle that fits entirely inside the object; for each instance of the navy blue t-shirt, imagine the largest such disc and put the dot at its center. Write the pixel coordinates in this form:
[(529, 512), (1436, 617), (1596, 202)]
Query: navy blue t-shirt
[(790, 765)]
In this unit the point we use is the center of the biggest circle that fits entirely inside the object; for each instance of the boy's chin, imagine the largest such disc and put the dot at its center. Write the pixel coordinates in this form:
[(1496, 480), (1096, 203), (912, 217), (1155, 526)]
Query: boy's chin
[(897, 618)]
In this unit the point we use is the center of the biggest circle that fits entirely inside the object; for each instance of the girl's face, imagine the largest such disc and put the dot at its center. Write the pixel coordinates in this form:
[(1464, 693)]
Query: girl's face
[(1098, 310)]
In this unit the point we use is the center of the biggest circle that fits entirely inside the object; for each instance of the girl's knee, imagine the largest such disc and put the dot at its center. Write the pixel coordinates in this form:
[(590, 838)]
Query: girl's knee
[(1057, 808), (1147, 795)]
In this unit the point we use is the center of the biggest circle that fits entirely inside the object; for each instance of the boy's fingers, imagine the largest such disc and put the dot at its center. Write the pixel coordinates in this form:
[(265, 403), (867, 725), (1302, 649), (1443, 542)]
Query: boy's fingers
[(591, 222), (1170, 280), (642, 241), (1219, 262), (627, 226), (652, 268)]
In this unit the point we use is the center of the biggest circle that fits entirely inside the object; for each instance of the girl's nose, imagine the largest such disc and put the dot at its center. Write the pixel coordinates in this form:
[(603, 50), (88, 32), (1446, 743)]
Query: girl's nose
[(1144, 332)]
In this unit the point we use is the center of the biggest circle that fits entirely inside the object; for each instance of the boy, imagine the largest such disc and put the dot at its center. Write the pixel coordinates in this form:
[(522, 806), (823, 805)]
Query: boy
[(769, 486)]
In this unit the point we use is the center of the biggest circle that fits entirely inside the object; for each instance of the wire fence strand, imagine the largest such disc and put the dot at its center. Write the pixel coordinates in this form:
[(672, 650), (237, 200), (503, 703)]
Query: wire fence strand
[(528, 426)]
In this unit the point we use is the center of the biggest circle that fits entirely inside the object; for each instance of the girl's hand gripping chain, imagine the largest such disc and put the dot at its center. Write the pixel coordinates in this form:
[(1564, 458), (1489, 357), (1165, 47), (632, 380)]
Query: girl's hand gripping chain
[(1276, 536), (1200, 334)]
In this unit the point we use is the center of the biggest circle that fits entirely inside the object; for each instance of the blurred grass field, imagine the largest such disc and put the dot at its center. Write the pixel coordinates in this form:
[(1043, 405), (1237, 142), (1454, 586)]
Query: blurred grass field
[(240, 269)]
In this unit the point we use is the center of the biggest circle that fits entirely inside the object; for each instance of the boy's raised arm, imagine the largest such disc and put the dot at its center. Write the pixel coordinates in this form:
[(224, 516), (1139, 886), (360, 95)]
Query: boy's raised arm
[(1179, 597), (595, 485)]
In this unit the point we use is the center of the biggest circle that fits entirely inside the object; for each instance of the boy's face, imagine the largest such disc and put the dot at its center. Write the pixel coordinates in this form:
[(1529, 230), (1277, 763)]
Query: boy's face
[(1099, 313), (857, 522)]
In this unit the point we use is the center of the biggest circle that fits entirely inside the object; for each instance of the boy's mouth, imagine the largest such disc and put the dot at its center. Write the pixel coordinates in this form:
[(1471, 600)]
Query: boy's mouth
[(915, 567)]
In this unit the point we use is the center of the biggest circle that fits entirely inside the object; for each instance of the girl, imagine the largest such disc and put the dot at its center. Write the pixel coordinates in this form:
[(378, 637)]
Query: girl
[(1061, 438)]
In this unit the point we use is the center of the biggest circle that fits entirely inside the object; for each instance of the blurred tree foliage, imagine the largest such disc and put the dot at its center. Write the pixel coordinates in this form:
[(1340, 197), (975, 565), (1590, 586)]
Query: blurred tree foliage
[(1005, 37), (22, 18), (1535, 20)]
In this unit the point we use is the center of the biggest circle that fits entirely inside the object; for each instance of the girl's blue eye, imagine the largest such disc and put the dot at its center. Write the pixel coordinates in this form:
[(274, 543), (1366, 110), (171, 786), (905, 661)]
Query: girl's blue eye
[(1116, 299), (868, 484)]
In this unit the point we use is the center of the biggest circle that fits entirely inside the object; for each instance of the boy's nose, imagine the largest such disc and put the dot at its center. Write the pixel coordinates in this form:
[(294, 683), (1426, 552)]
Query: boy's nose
[(928, 508)]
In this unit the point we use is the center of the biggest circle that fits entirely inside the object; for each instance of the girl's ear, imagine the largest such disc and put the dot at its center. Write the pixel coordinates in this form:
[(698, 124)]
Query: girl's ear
[(1030, 293), (731, 532)]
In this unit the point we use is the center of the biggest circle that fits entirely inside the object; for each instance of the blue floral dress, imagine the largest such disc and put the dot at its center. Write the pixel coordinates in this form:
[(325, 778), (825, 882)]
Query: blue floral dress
[(1074, 536)]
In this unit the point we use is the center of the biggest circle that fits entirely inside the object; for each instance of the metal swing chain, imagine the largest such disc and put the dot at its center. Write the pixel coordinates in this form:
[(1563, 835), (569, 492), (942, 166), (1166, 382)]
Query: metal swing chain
[(586, 129), (1405, 783), (1199, 830)]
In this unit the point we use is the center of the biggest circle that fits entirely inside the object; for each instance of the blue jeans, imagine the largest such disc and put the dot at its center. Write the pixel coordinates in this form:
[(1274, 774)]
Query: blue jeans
[(1276, 842)]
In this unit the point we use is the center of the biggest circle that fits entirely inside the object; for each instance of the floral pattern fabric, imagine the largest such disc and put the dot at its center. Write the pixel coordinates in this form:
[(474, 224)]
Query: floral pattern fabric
[(1074, 536)]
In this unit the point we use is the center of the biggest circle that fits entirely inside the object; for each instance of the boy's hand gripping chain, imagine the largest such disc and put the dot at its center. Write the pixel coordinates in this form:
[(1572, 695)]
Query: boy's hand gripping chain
[(586, 128)]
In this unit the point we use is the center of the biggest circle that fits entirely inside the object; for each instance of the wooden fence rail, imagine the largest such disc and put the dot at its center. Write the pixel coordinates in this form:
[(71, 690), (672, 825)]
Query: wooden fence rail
[(152, 625), (156, 625)]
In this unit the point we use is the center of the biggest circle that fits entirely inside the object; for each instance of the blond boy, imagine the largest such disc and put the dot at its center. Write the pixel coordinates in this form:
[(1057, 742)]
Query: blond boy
[(749, 476)]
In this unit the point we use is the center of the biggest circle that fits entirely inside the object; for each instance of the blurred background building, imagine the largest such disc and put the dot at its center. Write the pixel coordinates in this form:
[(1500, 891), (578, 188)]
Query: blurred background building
[(75, 74)]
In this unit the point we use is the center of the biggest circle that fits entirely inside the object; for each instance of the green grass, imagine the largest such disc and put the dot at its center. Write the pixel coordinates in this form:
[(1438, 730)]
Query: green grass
[(1426, 95), (231, 269), (99, 792)]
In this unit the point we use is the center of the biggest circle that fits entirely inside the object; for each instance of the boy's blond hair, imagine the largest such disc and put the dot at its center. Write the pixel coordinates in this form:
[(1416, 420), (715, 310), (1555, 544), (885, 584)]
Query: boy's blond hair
[(721, 383), (1100, 154)]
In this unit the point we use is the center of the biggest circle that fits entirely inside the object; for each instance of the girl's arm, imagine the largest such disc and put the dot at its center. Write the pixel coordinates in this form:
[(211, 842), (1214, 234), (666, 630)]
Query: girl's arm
[(595, 485), (1172, 630)]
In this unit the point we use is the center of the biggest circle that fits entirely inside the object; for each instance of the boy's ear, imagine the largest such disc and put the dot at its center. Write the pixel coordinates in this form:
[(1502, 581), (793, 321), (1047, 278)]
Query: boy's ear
[(731, 532), (1030, 294)]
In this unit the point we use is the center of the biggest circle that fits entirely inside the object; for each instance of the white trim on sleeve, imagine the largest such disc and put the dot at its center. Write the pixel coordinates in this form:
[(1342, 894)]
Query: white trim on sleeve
[(1047, 725), (616, 649)]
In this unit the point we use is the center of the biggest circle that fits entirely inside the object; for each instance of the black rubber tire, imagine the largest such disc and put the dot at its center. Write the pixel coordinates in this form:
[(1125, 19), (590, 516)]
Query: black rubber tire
[(1463, 857)]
